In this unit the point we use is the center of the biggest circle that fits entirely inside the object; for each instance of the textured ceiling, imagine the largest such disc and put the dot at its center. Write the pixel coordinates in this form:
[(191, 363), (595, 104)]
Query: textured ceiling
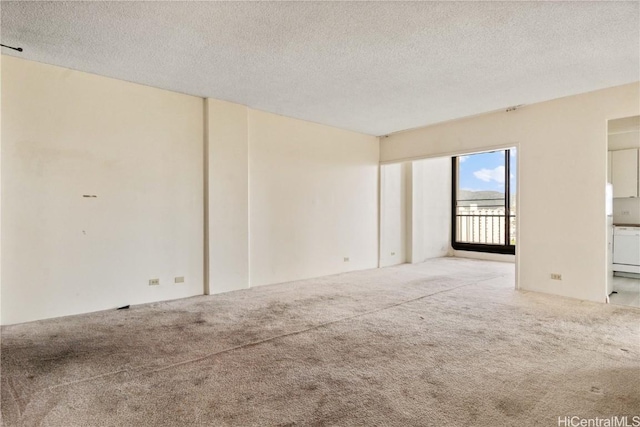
[(373, 67)]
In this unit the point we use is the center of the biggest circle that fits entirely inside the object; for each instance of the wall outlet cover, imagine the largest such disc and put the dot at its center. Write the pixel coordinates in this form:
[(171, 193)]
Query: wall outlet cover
[(179, 279), (154, 282)]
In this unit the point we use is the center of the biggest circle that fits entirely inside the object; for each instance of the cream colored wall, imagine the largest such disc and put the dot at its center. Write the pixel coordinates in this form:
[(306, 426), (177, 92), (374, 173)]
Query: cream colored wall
[(313, 199), (562, 157), (431, 214), (0, 185), (622, 141), (394, 218), (228, 196), (66, 134), (415, 211), (311, 191), (287, 199)]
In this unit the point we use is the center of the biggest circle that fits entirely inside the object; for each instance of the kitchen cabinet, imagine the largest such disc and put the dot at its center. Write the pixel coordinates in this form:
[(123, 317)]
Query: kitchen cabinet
[(624, 172), (626, 249)]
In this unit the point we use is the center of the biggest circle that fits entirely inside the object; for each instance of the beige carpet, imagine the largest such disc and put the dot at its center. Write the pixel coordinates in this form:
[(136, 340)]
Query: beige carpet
[(444, 343)]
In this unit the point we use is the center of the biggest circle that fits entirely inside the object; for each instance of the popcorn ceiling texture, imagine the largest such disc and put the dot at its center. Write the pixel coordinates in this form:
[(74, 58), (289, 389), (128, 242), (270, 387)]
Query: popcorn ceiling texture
[(372, 67), (444, 343)]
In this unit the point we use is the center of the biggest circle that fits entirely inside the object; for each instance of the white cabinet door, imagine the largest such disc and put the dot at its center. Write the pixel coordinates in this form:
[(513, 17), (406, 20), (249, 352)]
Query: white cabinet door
[(624, 173)]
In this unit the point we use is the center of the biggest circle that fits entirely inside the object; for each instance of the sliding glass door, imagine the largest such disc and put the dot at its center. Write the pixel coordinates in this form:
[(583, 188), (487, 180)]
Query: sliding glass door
[(483, 202)]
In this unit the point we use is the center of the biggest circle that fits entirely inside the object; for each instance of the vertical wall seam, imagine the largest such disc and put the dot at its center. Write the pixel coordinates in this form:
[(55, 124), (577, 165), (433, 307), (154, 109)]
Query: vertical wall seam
[(380, 215), (206, 289), (379, 194), (408, 243), (248, 141)]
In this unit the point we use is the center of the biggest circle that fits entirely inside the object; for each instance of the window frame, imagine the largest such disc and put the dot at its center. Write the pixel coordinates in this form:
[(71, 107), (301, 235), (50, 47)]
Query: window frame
[(507, 248)]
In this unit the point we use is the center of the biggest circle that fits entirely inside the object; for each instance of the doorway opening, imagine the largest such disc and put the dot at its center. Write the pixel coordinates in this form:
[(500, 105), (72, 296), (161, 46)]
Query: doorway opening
[(418, 214), (623, 211)]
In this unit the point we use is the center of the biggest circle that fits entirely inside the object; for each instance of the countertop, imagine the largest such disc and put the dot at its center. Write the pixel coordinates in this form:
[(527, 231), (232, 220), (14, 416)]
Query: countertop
[(626, 225)]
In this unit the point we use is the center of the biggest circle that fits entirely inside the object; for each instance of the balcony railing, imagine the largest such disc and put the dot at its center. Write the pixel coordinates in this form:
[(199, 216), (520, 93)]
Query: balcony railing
[(485, 226)]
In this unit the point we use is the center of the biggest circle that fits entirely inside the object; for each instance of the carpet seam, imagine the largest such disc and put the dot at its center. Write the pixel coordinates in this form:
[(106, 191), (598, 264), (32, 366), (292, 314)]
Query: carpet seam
[(16, 398), (255, 343)]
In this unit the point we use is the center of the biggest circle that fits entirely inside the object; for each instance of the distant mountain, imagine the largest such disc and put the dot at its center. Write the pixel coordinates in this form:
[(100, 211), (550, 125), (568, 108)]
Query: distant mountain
[(480, 198)]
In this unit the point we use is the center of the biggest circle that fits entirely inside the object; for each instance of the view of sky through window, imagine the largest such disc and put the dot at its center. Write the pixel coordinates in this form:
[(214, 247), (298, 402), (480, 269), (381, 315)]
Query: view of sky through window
[(485, 171)]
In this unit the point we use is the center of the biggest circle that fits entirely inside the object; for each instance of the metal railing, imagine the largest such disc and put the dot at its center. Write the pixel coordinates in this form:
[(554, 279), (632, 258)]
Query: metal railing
[(486, 226)]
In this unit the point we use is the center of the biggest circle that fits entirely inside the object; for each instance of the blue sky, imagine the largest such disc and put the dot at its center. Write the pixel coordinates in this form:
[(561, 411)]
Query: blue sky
[(485, 171)]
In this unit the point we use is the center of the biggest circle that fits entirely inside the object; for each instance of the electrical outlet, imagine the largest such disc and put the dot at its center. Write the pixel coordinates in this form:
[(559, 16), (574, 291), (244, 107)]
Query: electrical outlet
[(154, 282), (346, 259), (556, 276), (393, 253), (179, 279), (625, 213)]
